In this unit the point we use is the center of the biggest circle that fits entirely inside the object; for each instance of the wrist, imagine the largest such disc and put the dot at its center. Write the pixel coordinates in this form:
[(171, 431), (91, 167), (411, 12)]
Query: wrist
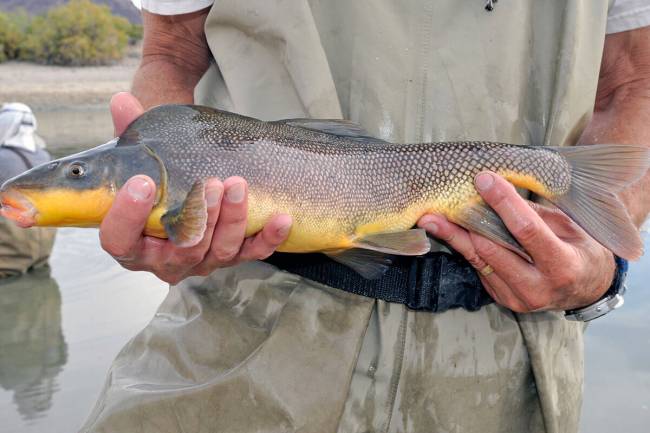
[(609, 301), (160, 82), (608, 275)]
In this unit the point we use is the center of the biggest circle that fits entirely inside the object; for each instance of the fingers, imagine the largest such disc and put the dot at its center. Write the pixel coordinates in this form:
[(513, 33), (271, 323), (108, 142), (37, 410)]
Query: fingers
[(563, 226), (504, 295), (568, 269), (265, 242), (121, 230), (513, 270), (455, 236), (223, 243), (466, 244), (230, 230), (229, 245), (125, 108), (213, 197), (520, 283), (179, 260), (521, 220)]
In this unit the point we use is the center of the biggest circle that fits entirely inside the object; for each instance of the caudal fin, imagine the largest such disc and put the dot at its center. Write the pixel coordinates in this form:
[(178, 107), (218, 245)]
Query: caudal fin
[(598, 172)]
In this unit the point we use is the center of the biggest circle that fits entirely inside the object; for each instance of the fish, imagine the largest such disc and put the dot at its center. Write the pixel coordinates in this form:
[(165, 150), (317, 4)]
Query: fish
[(352, 196)]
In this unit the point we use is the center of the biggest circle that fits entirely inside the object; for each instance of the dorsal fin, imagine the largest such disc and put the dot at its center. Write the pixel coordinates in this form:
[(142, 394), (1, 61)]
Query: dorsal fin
[(338, 127)]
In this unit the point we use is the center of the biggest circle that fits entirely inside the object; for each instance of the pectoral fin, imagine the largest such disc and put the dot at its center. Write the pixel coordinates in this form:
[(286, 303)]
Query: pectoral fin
[(185, 223), (483, 220)]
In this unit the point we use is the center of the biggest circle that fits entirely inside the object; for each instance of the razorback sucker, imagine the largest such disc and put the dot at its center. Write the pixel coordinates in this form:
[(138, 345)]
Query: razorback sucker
[(347, 192)]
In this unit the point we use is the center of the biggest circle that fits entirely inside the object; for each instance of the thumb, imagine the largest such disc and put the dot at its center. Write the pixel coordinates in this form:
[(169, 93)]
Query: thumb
[(125, 108), (121, 230)]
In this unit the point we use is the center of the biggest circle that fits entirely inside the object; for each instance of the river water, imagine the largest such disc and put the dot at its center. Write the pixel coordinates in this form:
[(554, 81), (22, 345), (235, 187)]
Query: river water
[(59, 333)]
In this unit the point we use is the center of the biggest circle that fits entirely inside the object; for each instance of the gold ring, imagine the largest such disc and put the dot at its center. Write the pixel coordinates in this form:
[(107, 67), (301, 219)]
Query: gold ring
[(486, 270)]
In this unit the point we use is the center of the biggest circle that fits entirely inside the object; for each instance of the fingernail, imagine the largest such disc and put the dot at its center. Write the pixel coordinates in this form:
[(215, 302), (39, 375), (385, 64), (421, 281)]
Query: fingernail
[(235, 194), (139, 188), (431, 228), (212, 196), (484, 181), (283, 231)]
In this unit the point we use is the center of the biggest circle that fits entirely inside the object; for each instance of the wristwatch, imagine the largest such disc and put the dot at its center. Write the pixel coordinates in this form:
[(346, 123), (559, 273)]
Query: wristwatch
[(611, 300)]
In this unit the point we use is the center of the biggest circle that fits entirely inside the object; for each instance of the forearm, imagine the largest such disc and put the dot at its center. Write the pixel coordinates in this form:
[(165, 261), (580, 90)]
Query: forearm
[(175, 54), (159, 82), (622, 110)]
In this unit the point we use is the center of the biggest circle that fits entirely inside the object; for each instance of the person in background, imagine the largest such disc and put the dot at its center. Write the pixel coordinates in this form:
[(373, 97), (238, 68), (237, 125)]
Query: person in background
[(21, 149)]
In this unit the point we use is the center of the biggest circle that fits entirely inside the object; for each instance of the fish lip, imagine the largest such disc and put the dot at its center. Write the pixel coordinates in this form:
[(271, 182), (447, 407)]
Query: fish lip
[(16, 207)]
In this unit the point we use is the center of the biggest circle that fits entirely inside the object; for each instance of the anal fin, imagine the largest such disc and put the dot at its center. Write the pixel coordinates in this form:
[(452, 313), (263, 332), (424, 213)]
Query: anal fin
[(185, 223), (370, 264), (483, 220), (405, 243)]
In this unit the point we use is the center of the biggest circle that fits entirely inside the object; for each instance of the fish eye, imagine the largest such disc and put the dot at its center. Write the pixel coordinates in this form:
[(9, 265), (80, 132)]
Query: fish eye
[(76, 170)]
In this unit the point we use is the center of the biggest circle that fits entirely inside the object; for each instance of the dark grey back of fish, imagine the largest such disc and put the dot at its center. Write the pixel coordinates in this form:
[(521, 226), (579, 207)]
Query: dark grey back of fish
[(339, 173)]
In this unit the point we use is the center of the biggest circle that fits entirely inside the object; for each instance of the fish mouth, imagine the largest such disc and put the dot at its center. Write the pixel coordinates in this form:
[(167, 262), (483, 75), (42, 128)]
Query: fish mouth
[(16, 207)]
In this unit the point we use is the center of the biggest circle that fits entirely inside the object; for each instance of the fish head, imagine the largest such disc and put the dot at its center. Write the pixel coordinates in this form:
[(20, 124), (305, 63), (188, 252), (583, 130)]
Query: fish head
[(77, 190)]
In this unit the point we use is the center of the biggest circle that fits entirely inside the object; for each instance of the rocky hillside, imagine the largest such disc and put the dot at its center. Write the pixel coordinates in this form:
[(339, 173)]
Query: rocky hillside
[(119, 7)]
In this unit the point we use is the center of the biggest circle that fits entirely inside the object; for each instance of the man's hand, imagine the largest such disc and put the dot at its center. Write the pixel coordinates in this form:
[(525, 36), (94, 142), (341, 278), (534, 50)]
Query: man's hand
[(224, 242), (570, 268)]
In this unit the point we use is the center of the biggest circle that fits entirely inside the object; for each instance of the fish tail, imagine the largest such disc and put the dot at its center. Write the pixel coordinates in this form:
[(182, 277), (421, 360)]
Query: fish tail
[(598, 172)]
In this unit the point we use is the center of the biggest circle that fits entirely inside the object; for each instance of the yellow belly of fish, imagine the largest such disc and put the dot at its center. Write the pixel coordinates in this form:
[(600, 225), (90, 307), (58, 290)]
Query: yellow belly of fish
[(60, 207), (315, 233), (154, 227)]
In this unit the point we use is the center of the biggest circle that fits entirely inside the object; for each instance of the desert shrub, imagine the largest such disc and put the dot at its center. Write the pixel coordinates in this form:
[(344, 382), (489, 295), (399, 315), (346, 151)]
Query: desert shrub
[(132, 31), (79, 32), (135, 33), (11, 37), (76, 33)]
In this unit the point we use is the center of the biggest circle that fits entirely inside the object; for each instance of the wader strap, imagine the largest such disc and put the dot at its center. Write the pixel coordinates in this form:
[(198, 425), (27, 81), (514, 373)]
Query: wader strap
[(435, 282), (25, 160)]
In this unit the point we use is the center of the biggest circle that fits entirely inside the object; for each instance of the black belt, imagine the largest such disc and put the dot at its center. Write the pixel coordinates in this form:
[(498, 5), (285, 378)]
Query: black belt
[(435, 282)]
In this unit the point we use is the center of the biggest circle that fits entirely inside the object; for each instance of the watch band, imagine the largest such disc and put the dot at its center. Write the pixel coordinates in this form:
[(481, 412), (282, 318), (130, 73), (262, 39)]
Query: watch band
[(611, 300)]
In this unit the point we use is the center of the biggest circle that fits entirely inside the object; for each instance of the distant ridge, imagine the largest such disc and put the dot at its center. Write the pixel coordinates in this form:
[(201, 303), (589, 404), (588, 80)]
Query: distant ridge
[(119, 7)]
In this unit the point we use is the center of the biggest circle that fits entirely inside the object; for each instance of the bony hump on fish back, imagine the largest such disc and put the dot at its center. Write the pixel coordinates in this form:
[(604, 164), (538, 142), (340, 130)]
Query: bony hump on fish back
[(351, 196)]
